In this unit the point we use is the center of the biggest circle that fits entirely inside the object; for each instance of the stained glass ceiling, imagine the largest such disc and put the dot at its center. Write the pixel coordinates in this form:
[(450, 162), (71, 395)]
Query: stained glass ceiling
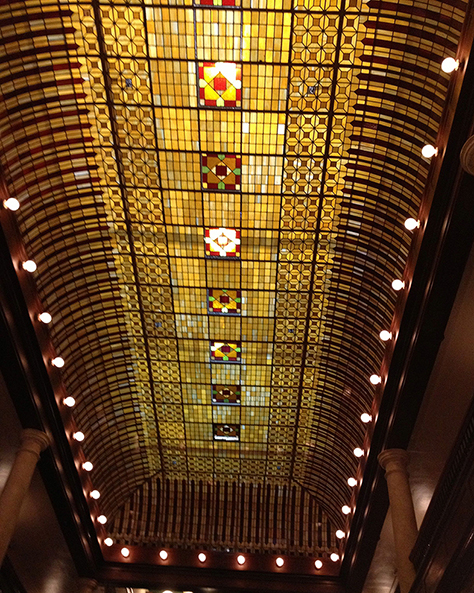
[(215, 194)]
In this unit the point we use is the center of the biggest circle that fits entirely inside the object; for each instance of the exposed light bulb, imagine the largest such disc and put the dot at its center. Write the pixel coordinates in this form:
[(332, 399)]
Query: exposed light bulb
[(334, 557), (29, 265), (429, 151), (45, 317), (241, 559), (385, 335), (87, 465), (78, 436), (125, 552), (202, 557), (102, 519), (340, 534), (411, 224), (352, 482), (366, 417), (318, 564), (163, 554), (108, 541), (95, 494), (375, 379), (58, 362), (346, 509), (449, 65), (69, 401), (279, 561), (11, 204), (358, 452), (398, 284)]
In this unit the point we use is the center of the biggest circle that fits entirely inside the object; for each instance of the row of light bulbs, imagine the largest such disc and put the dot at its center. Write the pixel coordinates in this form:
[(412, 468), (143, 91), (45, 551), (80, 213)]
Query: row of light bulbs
[(202, 557), (410, 224)]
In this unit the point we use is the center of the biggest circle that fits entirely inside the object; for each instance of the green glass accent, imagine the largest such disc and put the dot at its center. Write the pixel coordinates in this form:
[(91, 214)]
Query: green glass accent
[(221, 185)]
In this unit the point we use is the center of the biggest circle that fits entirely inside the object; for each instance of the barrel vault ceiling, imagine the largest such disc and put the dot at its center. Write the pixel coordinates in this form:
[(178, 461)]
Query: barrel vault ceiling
[(214, 193)]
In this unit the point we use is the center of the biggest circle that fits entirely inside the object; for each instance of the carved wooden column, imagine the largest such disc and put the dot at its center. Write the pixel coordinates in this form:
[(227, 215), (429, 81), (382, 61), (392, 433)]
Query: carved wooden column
[(405, 532), (17, 484), (467, 156)]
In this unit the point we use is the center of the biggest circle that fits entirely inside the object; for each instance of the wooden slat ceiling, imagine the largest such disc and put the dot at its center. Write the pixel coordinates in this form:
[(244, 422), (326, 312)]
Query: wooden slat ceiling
[(235, 359)]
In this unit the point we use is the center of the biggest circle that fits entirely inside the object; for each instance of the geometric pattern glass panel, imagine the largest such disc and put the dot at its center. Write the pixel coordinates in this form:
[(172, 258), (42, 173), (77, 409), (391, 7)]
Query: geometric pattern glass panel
[(222, 242), (219, 84), (221, 171), (225, 351), (226, 432), (226, 394), (222, 301)]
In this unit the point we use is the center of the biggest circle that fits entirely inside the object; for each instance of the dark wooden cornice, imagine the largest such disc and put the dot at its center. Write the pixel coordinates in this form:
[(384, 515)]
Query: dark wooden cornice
[(198, 579)]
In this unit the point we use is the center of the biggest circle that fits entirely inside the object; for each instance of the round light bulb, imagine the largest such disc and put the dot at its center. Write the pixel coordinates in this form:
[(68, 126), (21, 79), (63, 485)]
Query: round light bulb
[(340, 534), (411, 224), (95, 494), (11, 204), (398, 284), (358, 452), (125, 552), (279, 561), (346, 509), (334, 557), (241, 559), (29, 265), (108, 541), (428, 151), (45, 317), (69, 401), (167, 591), (163, 554), (449, 65), (352, 482), (202, 557), (87, 465), (58, 362), (385, 335), (318, 564), (78, 436), (375, 379), (102, 519), (366, 418)]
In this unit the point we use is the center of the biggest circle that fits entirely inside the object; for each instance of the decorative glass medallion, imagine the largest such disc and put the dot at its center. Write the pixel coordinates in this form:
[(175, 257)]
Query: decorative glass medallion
[(220, 84), (221, 171), (224, 302), (226, 432), (222, 242), (225, 351), (217, 3), (226, 394)]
